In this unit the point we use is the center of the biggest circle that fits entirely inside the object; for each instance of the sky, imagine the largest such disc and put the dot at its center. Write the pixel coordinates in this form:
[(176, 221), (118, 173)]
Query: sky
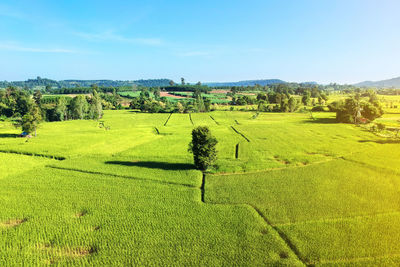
[(343, 41)]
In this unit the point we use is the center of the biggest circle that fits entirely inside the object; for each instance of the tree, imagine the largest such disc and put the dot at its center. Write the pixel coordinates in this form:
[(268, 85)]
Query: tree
[(60, 112), (183, 81), (353, 109), (78, 107), (292, 103), (37, 96), (171, 83), (262, 97), (306, 98), (234, 90), (263, 106), (95, 109), (157, 93), (203, 147), (31, 119), (284, 103), (179, 107)]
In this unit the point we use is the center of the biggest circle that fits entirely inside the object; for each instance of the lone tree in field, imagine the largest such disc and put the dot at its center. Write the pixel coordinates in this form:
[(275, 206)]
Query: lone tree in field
[(203, 147), (31, 119)]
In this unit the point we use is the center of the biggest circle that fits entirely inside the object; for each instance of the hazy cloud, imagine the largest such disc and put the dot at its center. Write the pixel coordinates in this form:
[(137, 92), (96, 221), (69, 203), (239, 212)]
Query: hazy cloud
[(194, 54), (17, 47), (110, 36)]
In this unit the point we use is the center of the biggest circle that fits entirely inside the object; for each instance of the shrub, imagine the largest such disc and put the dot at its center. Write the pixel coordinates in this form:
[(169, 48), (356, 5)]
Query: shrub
[(335, 106), (380, 126), (371, 111), (318, 109)]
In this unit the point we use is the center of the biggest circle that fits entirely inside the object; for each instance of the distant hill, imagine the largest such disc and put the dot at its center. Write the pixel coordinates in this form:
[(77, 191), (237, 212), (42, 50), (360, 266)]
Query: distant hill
[(246, 83), (42, 82), (252, 83), (395, 82)]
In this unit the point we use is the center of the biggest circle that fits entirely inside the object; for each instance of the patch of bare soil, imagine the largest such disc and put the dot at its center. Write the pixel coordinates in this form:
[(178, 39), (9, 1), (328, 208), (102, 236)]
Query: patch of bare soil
[(281, 160), (219, 91), (61, 253), (12, 223), (82, 213), (167, 94)]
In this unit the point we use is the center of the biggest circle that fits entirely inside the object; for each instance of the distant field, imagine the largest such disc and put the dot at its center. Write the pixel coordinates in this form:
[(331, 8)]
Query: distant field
[(288, 190)]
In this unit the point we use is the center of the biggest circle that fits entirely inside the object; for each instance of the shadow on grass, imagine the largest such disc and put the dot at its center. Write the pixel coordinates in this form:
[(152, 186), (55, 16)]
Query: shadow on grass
[(322, 120), (390, 141), (6, 135), (154, 165)]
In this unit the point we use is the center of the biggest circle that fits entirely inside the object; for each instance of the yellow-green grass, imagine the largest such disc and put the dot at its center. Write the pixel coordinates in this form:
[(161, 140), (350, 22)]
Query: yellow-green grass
[(75, 138), (12, 164), (68, 217), (129, 195), (342, 211)]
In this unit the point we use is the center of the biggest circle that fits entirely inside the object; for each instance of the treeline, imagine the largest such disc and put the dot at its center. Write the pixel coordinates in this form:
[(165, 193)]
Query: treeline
[(186, 88), (388, 92), (82, 90), (292, 88), (150, 101), (44, 82), (29, 110), (246, 83), (296, 87), (280, 98)]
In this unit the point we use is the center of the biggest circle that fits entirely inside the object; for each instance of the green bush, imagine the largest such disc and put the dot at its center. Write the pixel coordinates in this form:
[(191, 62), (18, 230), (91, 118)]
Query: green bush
[(318, 109)]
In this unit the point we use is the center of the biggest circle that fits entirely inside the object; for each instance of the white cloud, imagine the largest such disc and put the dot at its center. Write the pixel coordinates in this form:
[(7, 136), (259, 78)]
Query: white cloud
[(110, 36), (194, 54), (17, 47)]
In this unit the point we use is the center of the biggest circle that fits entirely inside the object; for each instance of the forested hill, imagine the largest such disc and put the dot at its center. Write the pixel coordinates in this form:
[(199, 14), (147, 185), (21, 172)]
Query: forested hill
[(246, 83), (395, 82), (32, 83), (251, 83)]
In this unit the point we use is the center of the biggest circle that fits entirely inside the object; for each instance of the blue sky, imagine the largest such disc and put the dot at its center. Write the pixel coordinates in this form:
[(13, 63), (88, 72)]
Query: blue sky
[(294, 40)]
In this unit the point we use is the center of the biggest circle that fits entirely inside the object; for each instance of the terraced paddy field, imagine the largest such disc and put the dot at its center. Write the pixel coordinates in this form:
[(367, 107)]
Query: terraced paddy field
[(286, 191)]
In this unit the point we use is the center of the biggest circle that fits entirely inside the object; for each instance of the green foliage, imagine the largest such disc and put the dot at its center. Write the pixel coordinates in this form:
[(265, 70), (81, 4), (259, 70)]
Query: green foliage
[(37, 96), (354, 109), (61, 110), (78, 108), (318, 109), (203, 147), (335, 106), (14, 102), (65, 85), (292, 104), (306, 98), (95, 108), (31, 119), (186, 88)]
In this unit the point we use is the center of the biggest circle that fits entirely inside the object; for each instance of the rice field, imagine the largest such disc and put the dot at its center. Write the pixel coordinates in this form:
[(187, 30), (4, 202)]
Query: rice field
[(287, 190)]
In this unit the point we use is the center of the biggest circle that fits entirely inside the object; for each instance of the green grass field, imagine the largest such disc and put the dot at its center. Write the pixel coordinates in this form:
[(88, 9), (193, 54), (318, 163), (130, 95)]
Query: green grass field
[(287, 190)]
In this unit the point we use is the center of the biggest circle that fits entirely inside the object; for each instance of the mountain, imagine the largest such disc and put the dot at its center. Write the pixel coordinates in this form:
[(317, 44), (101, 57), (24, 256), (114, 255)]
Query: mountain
[(246, 83), (42, 82), (395, 82)]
